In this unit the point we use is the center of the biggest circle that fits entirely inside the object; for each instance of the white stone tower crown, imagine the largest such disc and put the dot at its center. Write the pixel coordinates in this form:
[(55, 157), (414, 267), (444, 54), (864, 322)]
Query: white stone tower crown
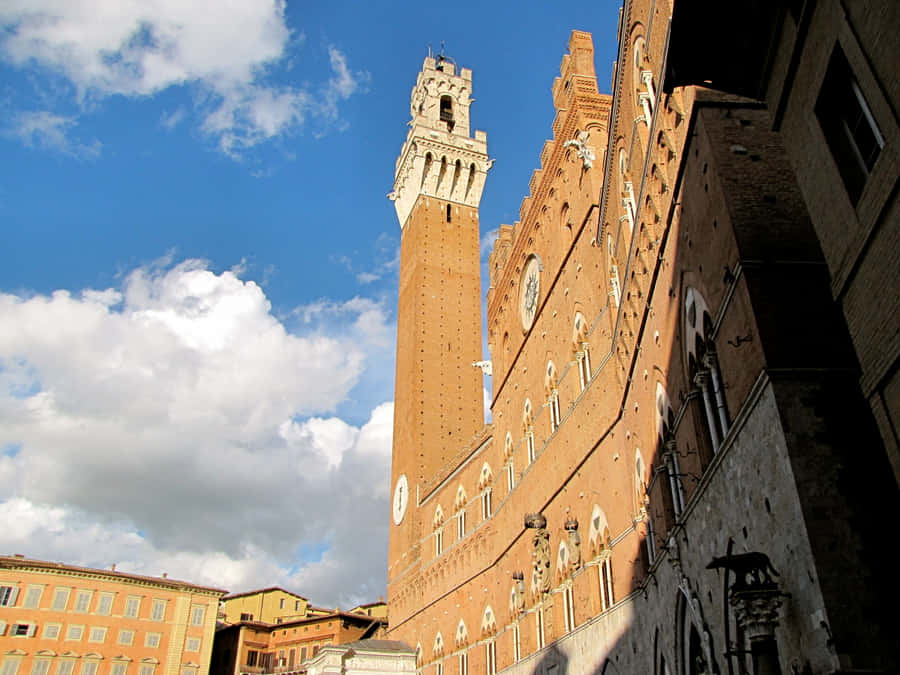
[(439, 159)]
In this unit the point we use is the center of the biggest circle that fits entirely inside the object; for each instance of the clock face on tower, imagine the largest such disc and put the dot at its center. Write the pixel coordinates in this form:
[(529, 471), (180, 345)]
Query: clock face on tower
[(401, 498), (529, 291)]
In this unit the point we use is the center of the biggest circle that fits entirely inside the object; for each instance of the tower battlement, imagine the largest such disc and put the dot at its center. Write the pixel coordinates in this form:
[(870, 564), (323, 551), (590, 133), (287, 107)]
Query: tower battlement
[(440, 158)]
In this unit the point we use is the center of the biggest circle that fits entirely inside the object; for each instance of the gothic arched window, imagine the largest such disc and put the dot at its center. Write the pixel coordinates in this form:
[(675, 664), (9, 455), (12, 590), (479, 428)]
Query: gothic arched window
[(582, 352), (528, 421), (703, 366), (615, 289), (508, 455), (600, 548), (460, 506), (438, 525), (484, 488), (665, 429), (551, 384), (446, 111)]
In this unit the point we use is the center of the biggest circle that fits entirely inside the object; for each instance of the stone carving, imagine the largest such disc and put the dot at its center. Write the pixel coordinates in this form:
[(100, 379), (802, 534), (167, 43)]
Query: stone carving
[(518, 593), (751, 570), (540, 553), (584, 151), (488, 165), (754, 595), (756, 611), (574, 543)]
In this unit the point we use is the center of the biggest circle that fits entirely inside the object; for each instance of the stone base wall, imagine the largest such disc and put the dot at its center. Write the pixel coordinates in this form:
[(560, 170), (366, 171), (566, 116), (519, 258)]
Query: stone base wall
[(747, 495)]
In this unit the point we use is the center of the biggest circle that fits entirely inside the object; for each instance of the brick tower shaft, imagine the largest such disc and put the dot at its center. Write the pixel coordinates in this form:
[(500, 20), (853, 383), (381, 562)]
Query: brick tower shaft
[(438, 405)]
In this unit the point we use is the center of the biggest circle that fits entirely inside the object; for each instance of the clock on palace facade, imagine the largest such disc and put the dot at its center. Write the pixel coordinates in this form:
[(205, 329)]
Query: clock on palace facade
[(529, 291), (401, 498)]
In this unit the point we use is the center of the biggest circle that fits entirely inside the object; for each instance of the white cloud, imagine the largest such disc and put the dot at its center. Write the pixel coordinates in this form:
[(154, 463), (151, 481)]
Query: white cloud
[(343, 84), (486, 245), (174, 118), (44, 129), (362, 317), (138, 48), (174, 424), (381, 262), (367, 277)]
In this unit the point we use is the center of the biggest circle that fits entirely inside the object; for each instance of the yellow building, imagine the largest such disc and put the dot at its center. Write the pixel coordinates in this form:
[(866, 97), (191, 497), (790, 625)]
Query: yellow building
[(58, 619), (374, 609), (259, 648), (267, 605), (271, 630)]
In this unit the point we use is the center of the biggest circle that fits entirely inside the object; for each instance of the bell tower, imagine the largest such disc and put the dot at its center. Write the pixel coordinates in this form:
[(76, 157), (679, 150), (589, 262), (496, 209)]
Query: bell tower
[(438, 399)]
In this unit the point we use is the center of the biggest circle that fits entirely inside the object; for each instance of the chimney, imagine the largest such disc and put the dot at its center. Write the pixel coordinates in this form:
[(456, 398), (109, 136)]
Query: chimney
[(113, 567)]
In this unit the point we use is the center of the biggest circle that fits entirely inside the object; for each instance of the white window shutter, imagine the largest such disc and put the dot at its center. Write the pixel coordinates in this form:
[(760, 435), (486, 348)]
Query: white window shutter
[(14, 593), (2, 628), (32, 628)]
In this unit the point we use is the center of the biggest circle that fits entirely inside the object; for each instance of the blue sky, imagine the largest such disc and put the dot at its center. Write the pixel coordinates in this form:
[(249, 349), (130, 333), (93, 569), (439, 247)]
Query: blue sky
[(198, 269)]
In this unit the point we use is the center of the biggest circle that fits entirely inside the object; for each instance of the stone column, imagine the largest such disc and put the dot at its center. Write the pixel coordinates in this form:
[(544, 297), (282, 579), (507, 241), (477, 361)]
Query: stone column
[(675, 482), (756, 610), (709, 360), (701, 379)]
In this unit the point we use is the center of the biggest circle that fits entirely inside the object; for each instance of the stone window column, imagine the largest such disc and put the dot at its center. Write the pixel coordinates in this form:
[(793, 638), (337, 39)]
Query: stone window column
[(709, 360), (628, 203), (645, 104), (702, 380), (675, 483)]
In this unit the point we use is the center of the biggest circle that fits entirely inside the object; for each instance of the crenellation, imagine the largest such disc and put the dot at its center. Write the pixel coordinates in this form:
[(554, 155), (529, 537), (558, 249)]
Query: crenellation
[(524, 209), (546, 153), (438, 139)]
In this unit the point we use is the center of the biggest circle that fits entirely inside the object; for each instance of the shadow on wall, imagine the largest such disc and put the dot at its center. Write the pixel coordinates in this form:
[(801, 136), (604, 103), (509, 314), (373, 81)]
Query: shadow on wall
[(553, 662)]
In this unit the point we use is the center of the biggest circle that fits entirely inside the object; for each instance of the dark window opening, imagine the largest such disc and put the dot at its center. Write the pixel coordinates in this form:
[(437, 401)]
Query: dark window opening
[(848, 124), (449, 216), (447, 111)]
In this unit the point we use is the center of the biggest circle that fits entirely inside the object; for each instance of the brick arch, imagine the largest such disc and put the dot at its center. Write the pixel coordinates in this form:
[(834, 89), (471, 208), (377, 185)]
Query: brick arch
[(664, 415), (696, 324), (488, 622), (580, 329), (438, 516), (485, 477), (461, 498), (599, 531), (508, 448), (551, 377), (640, 478), (527, 414), (462, 634)]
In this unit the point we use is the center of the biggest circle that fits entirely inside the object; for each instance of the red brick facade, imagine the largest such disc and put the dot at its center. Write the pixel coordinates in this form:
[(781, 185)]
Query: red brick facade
[(693, 383)]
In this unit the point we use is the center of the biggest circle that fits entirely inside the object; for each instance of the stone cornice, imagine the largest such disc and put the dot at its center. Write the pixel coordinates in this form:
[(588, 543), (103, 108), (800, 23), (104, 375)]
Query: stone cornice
[(61, 569)]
